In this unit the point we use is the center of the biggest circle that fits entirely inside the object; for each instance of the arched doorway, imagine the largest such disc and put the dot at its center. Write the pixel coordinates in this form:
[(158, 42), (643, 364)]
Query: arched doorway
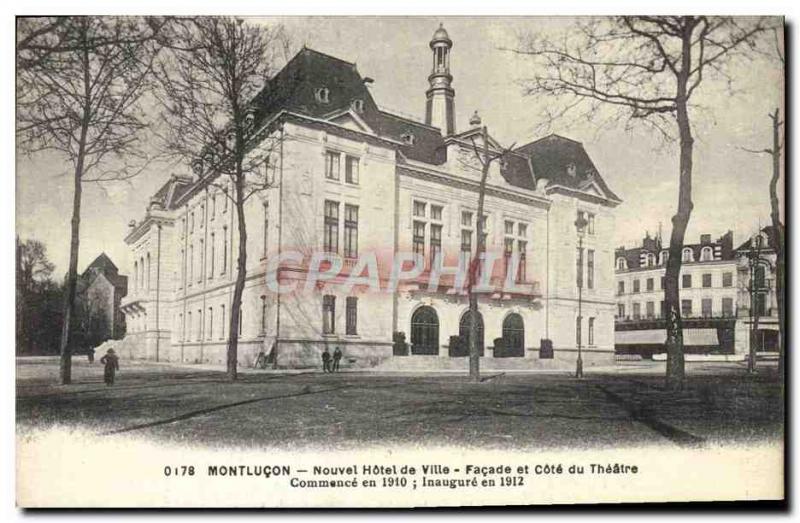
[(463, 331), (513, 337), (425, 331)]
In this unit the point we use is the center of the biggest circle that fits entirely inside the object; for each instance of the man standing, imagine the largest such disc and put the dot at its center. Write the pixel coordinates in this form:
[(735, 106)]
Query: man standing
[(111, 363), (337, 355), (326, 360)]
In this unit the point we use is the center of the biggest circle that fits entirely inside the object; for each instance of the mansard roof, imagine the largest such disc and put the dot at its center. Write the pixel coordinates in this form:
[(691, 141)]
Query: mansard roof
[(769, 231), (552, 157), (722, 248)]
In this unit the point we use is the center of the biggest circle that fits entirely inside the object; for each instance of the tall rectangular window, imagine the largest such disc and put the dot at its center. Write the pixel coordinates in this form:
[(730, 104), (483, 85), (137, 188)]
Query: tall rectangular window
[(663, 283), (705, 305), (436, 212), (328, 314), (650, 309), (650, 284), (211, 257), (621, 310), (590, 268), (188, 337), (265, 231), (436, 242), (590, 224), (225, 200), (706, 280), (637, 311), (351, 319), (419, 238), (620, 288), (686, 308), (686, 281), (591, 331), (466, 246), (579, 267), (201, 256), (224, 249), (210, 330), (332, 165), (351, 170), (222, 322), (331, 233), (199, 324), (466, 218), (727, 279), (419, 209), (213, 205), (636, 286), (727, 307), (662, 309), (522, 271), (350, 231), (191, 263)]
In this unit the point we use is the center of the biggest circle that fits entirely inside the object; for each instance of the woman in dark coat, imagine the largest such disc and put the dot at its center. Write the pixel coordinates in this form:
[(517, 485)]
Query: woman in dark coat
[(111, 363)]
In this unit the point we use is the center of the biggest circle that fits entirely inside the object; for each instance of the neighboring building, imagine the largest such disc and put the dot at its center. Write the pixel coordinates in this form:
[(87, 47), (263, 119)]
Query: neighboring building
[(351, 178), (709, 287), (100, 290), (759, 280)]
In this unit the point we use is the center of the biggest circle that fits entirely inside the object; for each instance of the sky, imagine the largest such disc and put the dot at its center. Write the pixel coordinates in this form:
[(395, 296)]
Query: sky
[(730, 186)]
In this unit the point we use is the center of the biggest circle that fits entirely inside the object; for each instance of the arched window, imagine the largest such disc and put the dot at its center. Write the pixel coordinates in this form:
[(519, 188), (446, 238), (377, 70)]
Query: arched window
[(425, 331), (514, 336), (687, 255), (322, 94), (463, 331), (651, 259), (621, 264), (358, 105), (663, 257), (707, 254)]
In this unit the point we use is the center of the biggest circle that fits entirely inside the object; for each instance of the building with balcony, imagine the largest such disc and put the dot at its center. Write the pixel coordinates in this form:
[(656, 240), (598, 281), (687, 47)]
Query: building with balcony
[(363, 187), (709, 288), (757, 293)]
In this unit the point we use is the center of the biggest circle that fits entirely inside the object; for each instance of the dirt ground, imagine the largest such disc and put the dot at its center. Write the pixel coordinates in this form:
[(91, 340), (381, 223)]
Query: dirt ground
[(614, 406)]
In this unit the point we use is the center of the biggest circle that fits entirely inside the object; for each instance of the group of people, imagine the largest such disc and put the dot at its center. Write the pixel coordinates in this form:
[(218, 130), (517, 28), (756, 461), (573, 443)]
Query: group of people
[(111, 362), (331, 364)]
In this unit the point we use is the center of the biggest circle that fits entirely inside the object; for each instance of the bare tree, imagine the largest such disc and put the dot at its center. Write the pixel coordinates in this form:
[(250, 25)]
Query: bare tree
[(79, 96), (485, 157), (775, 153), (644, 70), (210, 80)]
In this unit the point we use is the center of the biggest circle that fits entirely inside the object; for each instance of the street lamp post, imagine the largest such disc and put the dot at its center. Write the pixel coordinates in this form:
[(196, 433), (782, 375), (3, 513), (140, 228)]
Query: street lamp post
[(580, 226), (754, 259)]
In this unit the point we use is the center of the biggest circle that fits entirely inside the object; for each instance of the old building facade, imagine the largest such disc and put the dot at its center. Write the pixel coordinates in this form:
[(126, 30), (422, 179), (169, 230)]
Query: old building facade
[(354, 189)]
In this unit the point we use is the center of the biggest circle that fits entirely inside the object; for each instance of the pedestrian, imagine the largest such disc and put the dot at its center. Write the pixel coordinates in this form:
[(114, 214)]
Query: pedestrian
[(90, 355), (326, 360), (111, 363), (337, 355)]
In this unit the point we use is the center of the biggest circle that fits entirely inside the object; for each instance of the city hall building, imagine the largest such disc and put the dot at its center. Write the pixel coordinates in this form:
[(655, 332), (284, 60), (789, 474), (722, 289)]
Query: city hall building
[(359, 182)]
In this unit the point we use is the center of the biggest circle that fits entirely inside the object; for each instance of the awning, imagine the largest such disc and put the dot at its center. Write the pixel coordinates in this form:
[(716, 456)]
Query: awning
[(659, 336)]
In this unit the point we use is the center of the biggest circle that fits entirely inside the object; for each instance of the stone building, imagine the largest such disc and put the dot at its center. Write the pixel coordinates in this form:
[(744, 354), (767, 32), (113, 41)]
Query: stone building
[(101, 289), (709, 286), (364, 185), (757, 274)]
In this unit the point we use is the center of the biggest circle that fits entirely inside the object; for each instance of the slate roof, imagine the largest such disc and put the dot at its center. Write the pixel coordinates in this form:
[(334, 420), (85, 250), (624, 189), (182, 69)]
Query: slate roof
[(552, 155), (632, 256), (103, 265), (769, 230)]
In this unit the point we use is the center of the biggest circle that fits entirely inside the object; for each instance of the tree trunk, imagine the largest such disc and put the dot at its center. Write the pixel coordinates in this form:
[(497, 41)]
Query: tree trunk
[(675, 376), (241, 274), (72, 272), (775, 214), (474, 354)]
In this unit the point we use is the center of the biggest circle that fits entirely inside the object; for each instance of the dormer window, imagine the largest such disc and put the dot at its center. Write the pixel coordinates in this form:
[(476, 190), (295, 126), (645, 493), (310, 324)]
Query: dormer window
[(409, 138), (707, 254), (663, 257), (358, 106), (322, 95), (621, 264), (687, 255)]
